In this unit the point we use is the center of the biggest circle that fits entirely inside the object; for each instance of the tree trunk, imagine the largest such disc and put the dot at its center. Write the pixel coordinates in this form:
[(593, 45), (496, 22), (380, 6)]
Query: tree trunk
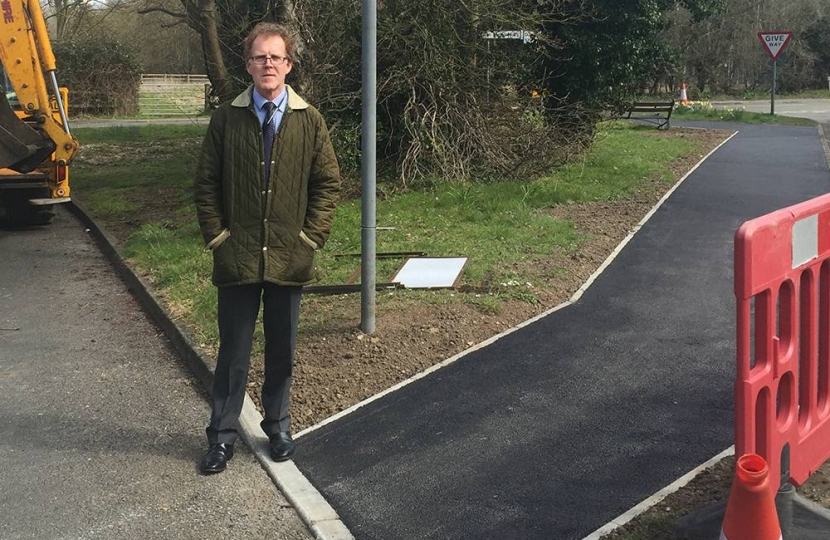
[(60, 19), (286, 14), (202, 17)]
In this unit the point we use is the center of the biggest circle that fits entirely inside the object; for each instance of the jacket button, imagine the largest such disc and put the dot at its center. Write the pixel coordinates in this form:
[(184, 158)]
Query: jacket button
[(264, 248), (265, 220), (269, 191), (262, 163), (263, 192)]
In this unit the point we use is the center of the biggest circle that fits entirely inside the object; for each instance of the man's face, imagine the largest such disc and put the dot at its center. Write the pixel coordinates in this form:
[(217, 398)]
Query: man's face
[(269, 78)]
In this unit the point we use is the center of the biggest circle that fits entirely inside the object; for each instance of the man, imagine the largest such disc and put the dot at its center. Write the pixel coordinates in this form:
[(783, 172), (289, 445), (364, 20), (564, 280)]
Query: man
[(266, 188)]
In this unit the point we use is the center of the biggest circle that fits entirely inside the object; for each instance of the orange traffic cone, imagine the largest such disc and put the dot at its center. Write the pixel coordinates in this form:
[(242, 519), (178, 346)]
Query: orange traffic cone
[(683, 99), (750, 509)]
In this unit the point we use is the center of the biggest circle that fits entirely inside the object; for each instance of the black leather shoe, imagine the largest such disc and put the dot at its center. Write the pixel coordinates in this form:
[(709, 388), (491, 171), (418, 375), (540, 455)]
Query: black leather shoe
[(216, 458), (282, 447)]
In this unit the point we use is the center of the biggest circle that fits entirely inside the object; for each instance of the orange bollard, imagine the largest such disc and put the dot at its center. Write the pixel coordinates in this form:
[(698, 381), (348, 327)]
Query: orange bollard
[(683, 99), (750, 509)]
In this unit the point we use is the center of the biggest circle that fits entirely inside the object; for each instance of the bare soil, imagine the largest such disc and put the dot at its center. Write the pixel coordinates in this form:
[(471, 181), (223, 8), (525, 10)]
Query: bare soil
[(338, 366)]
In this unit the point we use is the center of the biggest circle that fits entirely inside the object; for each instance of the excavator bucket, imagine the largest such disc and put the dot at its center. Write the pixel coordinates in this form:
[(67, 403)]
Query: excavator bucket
[(21, 147)]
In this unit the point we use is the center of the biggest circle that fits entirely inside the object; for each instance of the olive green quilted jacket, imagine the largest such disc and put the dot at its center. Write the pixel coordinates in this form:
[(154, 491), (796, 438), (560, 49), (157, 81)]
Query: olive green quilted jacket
[(266, 231)]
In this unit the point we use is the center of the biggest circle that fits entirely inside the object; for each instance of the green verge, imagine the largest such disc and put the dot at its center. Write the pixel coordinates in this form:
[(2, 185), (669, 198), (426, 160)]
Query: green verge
[(137, 182), (708, 113), (819, 93)]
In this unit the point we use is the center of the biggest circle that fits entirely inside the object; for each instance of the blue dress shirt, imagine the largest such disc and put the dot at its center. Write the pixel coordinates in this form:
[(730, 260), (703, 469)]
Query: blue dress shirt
[(279, 101)]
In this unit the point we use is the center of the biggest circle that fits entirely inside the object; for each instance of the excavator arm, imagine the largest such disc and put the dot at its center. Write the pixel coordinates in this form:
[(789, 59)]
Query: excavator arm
[(37, 136)]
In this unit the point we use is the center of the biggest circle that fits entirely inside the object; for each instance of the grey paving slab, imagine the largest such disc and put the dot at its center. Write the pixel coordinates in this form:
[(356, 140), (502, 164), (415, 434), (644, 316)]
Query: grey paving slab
[(559, 427), (102, 426)]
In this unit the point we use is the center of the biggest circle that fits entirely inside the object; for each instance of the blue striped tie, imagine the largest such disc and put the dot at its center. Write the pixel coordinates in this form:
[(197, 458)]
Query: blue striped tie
[(268, 133)]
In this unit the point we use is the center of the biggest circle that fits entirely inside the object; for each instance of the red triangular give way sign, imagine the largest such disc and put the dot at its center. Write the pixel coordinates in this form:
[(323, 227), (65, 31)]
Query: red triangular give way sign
[(774, 42)]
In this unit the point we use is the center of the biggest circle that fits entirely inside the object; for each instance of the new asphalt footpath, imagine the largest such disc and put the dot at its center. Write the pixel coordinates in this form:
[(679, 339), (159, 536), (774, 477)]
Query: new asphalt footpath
[(560, 426)]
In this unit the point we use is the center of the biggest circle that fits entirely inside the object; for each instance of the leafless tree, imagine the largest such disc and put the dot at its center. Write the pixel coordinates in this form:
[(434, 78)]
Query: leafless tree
[(723, 54), (70, 19), (222, 27)]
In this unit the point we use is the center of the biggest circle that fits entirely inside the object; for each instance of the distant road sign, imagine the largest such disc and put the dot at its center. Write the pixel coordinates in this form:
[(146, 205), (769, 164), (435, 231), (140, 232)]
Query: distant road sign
[(774, 42), (526, 36)]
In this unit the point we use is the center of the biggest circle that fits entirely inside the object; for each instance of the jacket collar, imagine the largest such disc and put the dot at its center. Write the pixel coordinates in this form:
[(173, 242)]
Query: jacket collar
[(245, 99)]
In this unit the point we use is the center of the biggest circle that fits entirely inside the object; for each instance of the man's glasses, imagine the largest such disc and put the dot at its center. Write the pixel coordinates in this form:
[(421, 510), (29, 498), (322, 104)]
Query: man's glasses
[(262, 59)]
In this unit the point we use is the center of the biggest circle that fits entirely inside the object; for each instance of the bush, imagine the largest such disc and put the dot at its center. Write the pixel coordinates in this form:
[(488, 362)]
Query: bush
[(103, 77), (457, 100)]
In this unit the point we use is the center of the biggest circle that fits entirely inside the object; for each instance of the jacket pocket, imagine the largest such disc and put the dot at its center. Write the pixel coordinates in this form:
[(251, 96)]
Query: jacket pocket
[(225, 267), (308, 241), (301, 264), (216, 242)]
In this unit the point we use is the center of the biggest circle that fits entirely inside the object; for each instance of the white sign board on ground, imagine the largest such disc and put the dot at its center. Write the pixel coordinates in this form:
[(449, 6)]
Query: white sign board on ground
[(774, 42), (430, 272)]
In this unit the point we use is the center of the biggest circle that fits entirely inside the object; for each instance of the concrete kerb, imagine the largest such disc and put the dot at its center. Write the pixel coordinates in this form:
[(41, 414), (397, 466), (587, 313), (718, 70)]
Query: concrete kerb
[(314, 510)]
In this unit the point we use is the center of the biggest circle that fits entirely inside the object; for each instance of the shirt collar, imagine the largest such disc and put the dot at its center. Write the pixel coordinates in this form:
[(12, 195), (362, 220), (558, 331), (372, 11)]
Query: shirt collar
[(279, 101)]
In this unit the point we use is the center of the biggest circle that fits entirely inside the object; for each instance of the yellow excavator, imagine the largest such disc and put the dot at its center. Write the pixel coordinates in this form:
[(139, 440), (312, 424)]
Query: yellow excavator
[(36, 146)]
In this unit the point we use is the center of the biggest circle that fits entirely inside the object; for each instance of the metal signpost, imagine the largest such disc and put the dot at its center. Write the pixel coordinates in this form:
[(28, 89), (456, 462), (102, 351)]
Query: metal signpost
[(774, 43), (368, 168)]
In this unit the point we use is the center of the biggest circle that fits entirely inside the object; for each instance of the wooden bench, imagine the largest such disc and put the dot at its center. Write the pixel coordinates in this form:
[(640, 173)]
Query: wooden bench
[(654, 112)]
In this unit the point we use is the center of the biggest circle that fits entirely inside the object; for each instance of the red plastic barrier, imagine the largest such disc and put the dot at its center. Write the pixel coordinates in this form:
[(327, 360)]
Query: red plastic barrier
[(782, 389)]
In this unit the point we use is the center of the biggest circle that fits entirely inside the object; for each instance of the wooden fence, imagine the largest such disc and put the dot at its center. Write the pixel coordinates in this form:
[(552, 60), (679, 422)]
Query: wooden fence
[(166, 94)]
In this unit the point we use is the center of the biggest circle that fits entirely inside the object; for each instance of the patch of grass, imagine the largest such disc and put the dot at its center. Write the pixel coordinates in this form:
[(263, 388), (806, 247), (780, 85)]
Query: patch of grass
[(492, 224), (142, 176), (137, 174), (756, 95), (131, 134), (705, 111), (109, 203), (153, 158), (525, 296), (625, 156), (823, 93), (171, 258), (485, 303)]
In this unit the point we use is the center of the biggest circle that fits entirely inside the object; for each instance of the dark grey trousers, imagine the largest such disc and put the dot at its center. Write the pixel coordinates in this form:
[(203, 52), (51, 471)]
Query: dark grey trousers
[(237, 314)]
